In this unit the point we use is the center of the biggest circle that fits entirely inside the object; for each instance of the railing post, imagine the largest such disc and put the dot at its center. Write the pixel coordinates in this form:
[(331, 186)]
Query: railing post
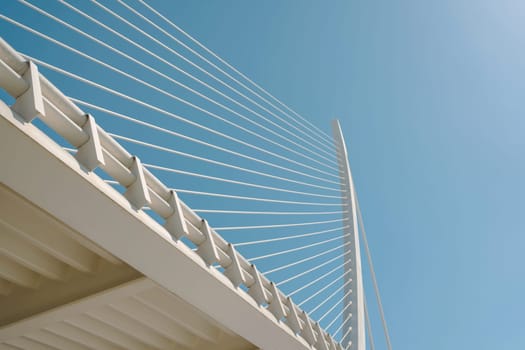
[(353, 256)]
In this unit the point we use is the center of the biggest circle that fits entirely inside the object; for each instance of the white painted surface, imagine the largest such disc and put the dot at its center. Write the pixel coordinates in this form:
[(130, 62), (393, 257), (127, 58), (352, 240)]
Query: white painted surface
[(39, 170), (356, 324)]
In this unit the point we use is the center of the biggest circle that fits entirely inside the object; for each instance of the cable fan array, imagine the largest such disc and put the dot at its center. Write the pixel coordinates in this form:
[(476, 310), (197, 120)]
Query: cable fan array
[(263, 176)]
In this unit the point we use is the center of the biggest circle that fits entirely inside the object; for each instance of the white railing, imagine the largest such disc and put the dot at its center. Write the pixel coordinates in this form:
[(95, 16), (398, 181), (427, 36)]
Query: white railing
[(37, 97)]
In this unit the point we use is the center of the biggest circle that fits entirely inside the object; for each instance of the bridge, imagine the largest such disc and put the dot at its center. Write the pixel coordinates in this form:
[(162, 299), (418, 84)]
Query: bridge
[(99, 247)]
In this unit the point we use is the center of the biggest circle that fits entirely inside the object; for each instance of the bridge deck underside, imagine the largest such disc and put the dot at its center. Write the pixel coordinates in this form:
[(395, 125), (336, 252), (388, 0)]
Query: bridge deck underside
[(60, 291)]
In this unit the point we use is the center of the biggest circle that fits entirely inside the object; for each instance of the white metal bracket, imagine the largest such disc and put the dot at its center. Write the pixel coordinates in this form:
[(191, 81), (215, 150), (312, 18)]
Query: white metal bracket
[(276, 306), (207, 249), (293, 318), (30, 104), (234, 272), (137, 193), (308, 331), (321, 341), (175, 223), (332, 343), (90, 153), (257, 290)]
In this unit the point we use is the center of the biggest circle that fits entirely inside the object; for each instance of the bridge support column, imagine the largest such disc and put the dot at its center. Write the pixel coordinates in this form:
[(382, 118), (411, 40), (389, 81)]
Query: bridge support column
[(354, 317)]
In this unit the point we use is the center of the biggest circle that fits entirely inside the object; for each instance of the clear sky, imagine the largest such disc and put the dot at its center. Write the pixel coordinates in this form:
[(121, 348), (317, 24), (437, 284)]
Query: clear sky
[(430, 95)]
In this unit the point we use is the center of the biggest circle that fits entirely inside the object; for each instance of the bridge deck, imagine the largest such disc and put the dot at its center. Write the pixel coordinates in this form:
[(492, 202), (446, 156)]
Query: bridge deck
[(60, 290)]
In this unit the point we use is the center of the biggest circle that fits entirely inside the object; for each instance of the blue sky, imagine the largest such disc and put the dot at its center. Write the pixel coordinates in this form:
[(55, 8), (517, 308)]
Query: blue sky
[(430, 98)]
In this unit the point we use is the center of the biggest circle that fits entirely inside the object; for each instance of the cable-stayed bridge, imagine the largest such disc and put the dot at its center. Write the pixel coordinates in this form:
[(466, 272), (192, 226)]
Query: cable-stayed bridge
[(169, 201)]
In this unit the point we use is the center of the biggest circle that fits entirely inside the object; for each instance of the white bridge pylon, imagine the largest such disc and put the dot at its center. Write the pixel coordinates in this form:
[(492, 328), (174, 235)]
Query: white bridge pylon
[(354, 316)]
